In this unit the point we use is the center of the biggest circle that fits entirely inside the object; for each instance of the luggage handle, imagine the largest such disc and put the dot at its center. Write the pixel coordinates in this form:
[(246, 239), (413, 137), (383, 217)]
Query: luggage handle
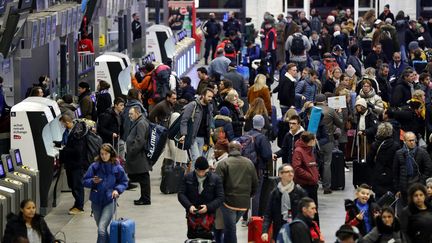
[(118, 143), (115, 209)]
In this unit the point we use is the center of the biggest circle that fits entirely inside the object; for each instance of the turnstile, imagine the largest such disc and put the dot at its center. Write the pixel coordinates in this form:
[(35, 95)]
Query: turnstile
[(3, 213), (29, 193), (12, 188)]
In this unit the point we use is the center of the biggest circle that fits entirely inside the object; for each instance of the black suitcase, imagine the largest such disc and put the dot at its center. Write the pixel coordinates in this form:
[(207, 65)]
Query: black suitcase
[(269, 183), (172, 176), (337, 170), (388, 200), (360, 167)]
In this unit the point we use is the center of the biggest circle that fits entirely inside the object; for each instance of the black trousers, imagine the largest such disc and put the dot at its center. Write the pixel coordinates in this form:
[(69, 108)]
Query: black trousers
[(74, 180), (210, 43), (312, 192), (144, 181)]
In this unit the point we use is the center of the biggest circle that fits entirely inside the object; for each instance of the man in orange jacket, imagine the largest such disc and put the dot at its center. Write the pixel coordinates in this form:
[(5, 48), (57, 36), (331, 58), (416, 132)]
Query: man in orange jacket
[(146, 86)]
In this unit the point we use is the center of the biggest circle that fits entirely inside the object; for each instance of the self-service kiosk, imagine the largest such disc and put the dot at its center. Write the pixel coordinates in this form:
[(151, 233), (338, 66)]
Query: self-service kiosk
[(114, 68), (33, 173), (11, 189), (23, 178), (159, 37), (36, 138)]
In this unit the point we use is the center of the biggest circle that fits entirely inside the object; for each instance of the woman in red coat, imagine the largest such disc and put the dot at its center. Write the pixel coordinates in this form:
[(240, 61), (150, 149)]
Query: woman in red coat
[(305, 166)]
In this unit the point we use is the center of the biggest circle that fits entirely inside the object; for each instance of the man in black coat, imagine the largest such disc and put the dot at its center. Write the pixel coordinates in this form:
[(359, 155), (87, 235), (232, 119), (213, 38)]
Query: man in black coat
[(211, 29), (289, 140), (373, 57), (110, 122), (301, 230), (136, 27), (201, 192), (402, 92), (412, 164), (286, 88)]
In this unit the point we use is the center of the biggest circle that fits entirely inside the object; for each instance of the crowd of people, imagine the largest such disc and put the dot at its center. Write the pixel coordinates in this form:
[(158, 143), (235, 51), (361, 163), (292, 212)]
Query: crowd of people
[(381, 66)]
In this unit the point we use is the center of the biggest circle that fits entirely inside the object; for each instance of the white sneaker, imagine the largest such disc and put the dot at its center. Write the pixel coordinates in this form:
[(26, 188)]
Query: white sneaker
[(347, 169)]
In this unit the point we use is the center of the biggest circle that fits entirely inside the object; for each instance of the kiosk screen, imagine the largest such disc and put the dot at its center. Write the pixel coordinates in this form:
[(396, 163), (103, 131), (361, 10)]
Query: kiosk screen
[(2, 172), (9, 164), (18, 158)]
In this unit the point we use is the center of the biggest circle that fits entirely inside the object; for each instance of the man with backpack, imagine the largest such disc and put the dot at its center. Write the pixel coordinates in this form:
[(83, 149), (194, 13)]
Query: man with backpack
[(270, 45), (85, 102), (146, 85), (109, 124), (211, 29), (219, 66), (240, 184), (298, 45)]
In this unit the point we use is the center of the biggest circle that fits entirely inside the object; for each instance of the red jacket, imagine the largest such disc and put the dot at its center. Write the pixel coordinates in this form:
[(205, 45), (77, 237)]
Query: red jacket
[(305, 165)]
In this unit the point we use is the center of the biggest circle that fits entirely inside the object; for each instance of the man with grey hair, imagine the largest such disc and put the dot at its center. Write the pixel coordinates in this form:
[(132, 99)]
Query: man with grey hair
[(380, 159), (240, 184), (219, 66), (412, 164), (137, 165)]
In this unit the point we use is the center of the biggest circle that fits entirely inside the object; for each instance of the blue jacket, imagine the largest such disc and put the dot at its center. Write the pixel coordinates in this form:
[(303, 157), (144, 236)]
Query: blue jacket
[(113, 178), (225, 122), (307, 89), (262, 148)]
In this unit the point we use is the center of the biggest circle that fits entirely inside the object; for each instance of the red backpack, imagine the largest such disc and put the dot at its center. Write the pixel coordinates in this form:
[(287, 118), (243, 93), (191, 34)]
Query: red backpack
[(160, 80)]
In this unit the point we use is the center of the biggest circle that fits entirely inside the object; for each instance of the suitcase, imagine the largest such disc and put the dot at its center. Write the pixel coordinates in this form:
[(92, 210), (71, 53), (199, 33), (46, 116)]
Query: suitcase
[(388, 199), (314, 120), (172, 176), (121, 230), (337, 170), (198, 241), (244, 72), (255, 230), (269, 182), (360, 167)]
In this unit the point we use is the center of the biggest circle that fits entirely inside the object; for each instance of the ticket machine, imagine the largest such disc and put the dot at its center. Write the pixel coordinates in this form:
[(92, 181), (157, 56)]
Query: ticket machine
[(11, 189), (114, 68), (160, 42), (23, 178), (36, 138)]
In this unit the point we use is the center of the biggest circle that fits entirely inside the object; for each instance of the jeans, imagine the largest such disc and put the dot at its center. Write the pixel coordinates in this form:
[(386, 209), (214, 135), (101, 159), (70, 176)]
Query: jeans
[(231, 217), (102, 216), (144, 180), (74, 180), (196, 150), (326, 154)]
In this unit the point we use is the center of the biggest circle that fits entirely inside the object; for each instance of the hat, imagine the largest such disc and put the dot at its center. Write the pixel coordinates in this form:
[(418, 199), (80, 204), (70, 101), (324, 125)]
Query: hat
[(387, 6), (413, 45), (288, 15), (389, 21), (258, 122), (337, 48), (377, 22), (320, 98), (429, 180), (201, 163), (84, 85), (361, 102), (331, 17), (347, 229), (350, 71), (224, 111)]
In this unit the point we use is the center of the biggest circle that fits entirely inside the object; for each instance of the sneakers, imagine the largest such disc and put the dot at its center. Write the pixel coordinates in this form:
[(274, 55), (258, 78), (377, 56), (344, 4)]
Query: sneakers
[(75, 211)]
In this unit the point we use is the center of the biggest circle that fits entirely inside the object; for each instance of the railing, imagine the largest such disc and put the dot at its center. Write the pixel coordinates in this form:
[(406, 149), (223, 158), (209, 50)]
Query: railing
[(85, 61)]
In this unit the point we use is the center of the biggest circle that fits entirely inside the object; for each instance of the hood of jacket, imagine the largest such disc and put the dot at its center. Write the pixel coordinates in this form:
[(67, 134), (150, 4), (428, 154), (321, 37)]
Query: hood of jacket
[(369, 95), (301, 129), (384, 229), (222, 117), (299, 143)]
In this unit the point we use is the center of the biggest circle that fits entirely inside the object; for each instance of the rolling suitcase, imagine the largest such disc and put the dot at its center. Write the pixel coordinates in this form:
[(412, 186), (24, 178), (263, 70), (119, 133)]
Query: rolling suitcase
[(269, 182), (172, 176), (360, 167), (121, 230), (337, 170), (388, 199), (314, 120), (255, 230)]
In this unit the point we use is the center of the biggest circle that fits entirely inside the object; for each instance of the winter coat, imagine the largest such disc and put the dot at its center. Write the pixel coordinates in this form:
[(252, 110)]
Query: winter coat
[(236, 117), (400, 94), (145, 85), (288, 146), (352, 211), (202, 85), (380, 160), (372, 59), (356, 63), (305, 165), (239, 178), (382, 233), (262, 148), (136, 158), (72, 155), (307, 89), (396, 71), (423, 165), (86, 105), (409, 120), (16, 227), (237, 80), (286, 91), (199, 109), (187, 93), (225, 122), (263, 94), (374, 99), (416, 223), (161, 113), (273, 214), (371, 125), (68, 109), (103, 101), (302, 234), (329, 86), (109, 122), (330, 119), (212, 196), (113, 178), (126, 122)]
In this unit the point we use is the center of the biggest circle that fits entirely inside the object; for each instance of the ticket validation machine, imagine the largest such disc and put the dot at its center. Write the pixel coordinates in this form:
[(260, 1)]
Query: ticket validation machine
[(12, 189), (23, 178)]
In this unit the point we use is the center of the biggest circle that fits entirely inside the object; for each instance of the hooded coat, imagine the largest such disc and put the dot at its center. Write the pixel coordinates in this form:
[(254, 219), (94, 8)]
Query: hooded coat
[(136, 158), (226, 123), (382, 233), (374, 99), (305, 165), (288, 146)]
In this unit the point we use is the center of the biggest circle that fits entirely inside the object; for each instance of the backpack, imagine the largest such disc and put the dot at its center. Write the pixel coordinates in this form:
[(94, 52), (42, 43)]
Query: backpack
[(93, 142), (315, 24), (297, 45), (247, 143), (385, 35), (229, 48), (160, 81), (284, 235), (280, 33), (156, 142)]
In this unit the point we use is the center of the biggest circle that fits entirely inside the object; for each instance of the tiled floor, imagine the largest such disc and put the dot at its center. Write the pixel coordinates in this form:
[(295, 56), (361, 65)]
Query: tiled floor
[(164, 220)]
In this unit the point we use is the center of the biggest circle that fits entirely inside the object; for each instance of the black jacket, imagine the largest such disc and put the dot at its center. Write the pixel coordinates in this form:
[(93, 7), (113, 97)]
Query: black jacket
[(380, 160), (161, 113), (400, 94), (288, 146), (371, 125), (408, 119), (273, 212), (352, 211), (109, 122), (262, 148), (423, 164), (73, 154), (103, 102), (212, 196), (16, 227), (236, 117), (301, 234), (372, 59), (415, 223), (286, 91), (383, 233)]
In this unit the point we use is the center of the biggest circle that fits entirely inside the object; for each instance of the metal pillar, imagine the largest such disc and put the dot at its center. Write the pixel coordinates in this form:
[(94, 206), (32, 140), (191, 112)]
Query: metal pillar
[(63, 66), (356, 10), (121, 33), (166, 12), (128, 35), (306, 7), (72, 65), (96, 34), (157, 12)]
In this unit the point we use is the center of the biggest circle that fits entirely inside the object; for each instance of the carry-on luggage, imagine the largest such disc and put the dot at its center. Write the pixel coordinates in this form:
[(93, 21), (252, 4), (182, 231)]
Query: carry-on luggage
[(314, 120), (269, 182), (337, 170), (172, 176), (121, 230), (200, 226), (244, 72), (360, 167), (255, 230), (388, 199)]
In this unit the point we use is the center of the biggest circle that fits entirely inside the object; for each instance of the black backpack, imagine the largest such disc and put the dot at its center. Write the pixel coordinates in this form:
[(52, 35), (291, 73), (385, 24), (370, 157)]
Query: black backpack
[(229, 48), (93, 142), (297, 45)]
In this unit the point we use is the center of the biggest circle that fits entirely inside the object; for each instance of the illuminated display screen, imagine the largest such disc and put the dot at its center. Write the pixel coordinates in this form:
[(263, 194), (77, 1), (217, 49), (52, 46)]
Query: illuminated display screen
[(9, 164), (18, 158), (2, 172)]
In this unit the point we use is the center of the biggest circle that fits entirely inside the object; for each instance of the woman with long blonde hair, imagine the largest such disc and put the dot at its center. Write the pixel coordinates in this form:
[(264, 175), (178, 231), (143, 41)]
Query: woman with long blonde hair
[(257, 107), (260, 90)]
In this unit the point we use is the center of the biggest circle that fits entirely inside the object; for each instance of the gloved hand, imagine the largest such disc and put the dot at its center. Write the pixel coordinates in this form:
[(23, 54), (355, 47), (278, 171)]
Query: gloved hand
[(370, 105)]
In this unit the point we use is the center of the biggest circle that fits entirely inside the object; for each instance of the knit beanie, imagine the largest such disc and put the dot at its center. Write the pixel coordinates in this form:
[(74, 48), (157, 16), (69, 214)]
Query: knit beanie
[(258, 122)]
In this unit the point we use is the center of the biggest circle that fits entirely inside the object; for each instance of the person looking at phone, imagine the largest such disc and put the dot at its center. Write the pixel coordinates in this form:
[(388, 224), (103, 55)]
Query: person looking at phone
[(362, 211), (201, 192), (107, 181)]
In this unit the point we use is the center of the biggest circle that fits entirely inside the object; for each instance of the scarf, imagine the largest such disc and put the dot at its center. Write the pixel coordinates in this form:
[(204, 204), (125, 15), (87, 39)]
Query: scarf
[(362, 121), (201, 183), (286, 200), (410, 160)]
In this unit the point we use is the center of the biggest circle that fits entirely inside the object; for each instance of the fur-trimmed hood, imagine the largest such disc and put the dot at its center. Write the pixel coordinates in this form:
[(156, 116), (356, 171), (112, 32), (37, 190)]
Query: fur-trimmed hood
[(222, 117)]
